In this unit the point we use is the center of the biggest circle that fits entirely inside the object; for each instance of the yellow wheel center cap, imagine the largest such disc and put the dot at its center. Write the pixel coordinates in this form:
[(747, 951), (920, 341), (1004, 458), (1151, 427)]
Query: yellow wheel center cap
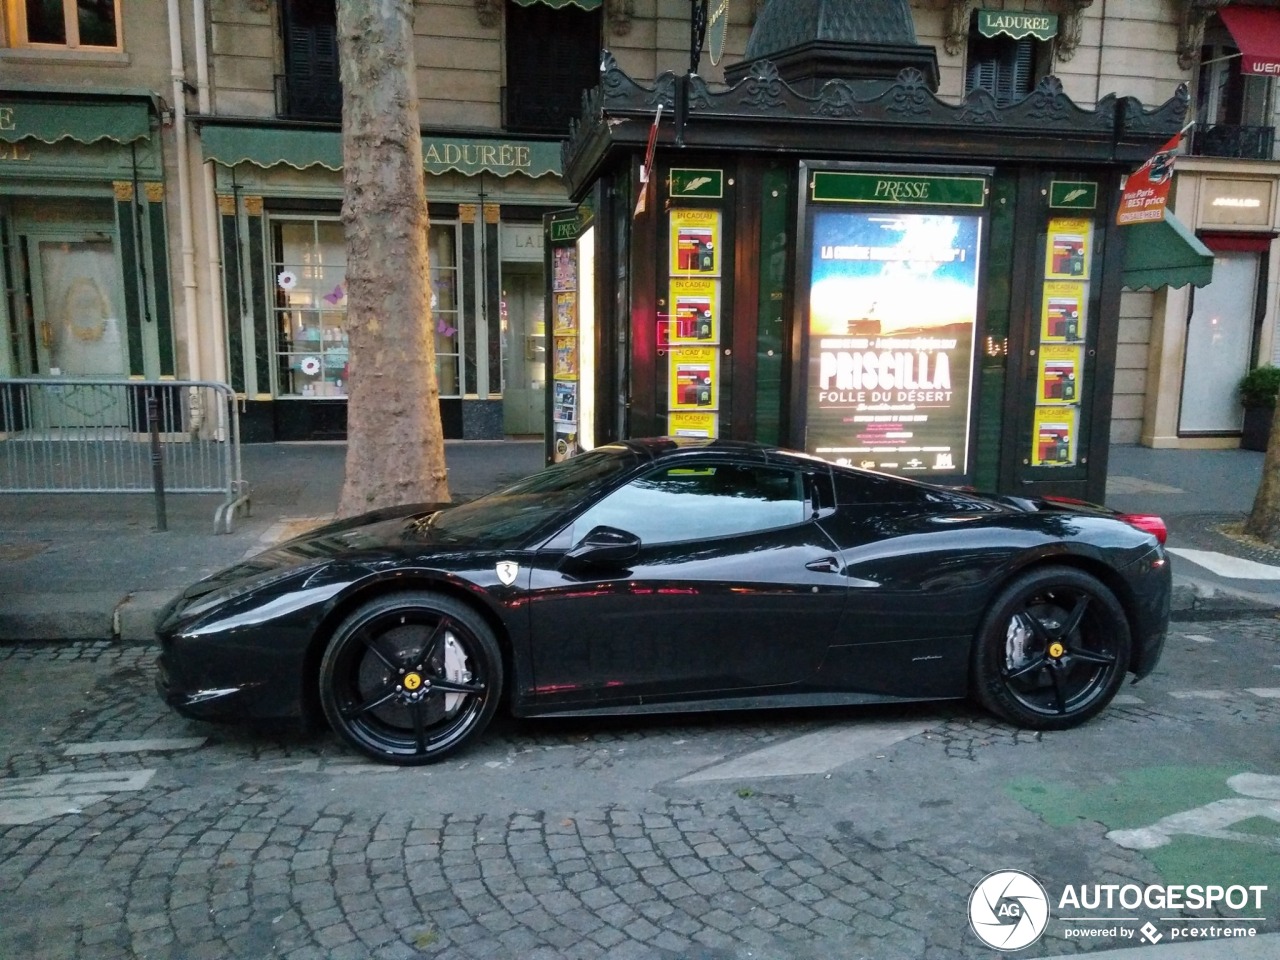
[(1056, 650), (412, 681)]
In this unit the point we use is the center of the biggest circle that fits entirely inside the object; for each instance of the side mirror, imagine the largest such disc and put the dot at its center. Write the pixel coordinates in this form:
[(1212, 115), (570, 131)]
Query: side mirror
[(605, 545)]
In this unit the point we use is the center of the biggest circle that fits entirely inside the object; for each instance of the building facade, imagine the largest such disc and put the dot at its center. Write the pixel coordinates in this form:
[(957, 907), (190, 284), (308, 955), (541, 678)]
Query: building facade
[(170, 187)]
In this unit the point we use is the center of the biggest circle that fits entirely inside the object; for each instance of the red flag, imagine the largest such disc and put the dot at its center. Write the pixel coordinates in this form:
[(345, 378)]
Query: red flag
[(1146, 190), (646, 169)]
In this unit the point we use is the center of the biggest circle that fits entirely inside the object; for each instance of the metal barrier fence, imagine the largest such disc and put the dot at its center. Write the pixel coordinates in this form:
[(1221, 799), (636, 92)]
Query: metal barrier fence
[(86, 435)]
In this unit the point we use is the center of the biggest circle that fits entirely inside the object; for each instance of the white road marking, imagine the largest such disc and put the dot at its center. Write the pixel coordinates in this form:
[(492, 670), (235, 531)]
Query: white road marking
[(132, 746), (1127, 699), (29, 799), (1200, 638), (1234, 568), (1259, 796), (813, 753), (1200, 694), (1270, 693)]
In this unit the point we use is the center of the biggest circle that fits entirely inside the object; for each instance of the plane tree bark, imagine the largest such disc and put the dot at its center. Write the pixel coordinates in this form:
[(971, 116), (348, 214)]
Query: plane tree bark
[(1264, 519), (395, 442)]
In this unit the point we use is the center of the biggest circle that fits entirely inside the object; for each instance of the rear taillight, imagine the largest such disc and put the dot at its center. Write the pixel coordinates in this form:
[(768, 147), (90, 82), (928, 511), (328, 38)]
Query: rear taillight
[(1148, 522)]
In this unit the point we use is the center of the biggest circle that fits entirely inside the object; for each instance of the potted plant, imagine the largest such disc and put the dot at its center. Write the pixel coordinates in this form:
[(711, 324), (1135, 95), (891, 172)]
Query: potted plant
[(1258, 389)]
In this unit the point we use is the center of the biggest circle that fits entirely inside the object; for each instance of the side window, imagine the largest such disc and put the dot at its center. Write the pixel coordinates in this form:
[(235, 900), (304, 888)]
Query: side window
[(1006, 68), (69, 24), (675, 503), (553, 55), (311, 86)]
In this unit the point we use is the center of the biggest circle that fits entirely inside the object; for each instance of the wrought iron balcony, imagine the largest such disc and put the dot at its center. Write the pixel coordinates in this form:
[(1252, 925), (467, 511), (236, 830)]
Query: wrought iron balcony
[(312, 100), (1241, 142)]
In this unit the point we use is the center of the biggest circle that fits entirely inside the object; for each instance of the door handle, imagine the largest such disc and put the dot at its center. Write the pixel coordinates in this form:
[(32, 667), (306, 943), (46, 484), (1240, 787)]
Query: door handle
[(825, 565)]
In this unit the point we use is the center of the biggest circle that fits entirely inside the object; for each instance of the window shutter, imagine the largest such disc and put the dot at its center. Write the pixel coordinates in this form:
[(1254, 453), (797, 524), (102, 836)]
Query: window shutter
[(553, 55), (311, 59)]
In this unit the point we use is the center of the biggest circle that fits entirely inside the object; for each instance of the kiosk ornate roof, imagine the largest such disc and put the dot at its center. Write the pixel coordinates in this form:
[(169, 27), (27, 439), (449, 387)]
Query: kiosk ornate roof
[(902, 119)]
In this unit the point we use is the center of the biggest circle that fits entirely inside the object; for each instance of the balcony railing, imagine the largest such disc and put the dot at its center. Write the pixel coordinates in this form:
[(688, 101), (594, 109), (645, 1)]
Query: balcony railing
[(1241, 142), (296, 100)]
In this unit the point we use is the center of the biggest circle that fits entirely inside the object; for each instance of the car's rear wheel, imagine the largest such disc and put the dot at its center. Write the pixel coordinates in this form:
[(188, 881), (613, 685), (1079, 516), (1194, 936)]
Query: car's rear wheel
[(410, 678), (1053, 650)]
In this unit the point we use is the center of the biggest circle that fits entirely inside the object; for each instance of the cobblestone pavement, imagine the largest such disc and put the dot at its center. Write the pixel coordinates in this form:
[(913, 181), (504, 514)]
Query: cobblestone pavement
[(126, 831)]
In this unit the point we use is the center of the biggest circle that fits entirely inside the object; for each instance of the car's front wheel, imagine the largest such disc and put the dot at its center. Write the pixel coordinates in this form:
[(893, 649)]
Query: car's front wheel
[(1053, 650), (410, 678)]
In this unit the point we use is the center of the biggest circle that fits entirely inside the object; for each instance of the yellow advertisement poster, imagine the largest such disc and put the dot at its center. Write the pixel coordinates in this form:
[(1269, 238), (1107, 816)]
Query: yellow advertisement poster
[(1068, 249), (566, 313), (1053, 437), (1062, 315), (695, 312), (565, 366), (695, 378), (1059, 379), (695, 243), (693, 425)]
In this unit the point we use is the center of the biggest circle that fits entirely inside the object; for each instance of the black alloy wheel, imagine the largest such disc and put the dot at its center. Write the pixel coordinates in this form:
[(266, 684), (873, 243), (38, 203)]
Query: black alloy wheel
[(1053, 650), (411, 678)]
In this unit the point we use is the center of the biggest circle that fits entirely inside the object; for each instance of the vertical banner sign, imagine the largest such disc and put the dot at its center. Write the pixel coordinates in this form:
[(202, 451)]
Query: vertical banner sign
[(1064, 301), (690, 331), (893, 306), (1146, 190), (564, 339)]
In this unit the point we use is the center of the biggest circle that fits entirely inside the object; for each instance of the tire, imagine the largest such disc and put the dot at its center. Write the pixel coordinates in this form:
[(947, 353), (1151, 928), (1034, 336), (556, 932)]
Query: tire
[(411, 678), (1052, 650)]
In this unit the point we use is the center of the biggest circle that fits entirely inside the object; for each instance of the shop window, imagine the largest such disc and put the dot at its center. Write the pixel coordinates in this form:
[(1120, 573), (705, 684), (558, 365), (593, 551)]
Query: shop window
[(1006, 68), (1233, 110), (309, 271), (310, 88), (446, 307), (553, 55), (63, 24)]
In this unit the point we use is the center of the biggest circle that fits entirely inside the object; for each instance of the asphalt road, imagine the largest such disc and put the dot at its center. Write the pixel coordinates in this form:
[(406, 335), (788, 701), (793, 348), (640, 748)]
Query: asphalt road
[(126, 831)]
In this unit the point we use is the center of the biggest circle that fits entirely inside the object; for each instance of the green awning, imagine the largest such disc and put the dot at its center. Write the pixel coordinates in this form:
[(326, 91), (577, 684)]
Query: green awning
[(1164, 253), (231, 145), (1042, 26), (557, 4), (50, 119)]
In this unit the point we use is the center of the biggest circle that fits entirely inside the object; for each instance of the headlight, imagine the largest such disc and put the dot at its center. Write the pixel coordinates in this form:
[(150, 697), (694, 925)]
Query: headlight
[(241, 587)]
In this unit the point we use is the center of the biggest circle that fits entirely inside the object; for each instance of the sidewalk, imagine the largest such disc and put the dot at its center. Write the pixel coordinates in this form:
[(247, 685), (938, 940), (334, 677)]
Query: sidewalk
[(92, 567)]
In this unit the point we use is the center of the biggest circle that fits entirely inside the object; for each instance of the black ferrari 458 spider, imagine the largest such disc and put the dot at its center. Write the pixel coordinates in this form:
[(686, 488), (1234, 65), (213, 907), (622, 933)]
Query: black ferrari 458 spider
[(670, 575)]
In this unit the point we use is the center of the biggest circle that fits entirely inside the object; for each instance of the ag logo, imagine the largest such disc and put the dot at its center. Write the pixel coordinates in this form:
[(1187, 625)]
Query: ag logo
[(1008, 910), (507, 571)]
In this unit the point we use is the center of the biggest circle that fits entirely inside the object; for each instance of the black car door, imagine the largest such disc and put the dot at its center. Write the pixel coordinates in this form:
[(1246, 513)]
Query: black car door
[(731, 588)]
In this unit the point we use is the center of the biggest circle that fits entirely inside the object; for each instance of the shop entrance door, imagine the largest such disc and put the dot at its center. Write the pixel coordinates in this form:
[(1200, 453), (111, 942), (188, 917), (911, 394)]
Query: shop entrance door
[(1219, 338), (75, 292), (524, 389)]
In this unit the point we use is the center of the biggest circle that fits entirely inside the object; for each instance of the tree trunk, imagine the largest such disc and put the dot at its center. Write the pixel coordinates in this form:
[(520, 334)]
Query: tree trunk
[(395, 443), (1264, 521)]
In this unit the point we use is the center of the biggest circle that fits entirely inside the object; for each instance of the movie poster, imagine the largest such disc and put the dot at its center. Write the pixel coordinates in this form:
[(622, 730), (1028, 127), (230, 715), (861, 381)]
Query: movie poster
[(695, 378), (1067, 249), (892, 311), (1062, 315), (695, 315), (1059, 380), (565, 443), (695, 243), (1054, 436), (685, 424)]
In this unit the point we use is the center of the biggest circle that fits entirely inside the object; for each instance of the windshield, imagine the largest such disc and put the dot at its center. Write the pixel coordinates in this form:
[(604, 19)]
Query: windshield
[(510, 514)]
